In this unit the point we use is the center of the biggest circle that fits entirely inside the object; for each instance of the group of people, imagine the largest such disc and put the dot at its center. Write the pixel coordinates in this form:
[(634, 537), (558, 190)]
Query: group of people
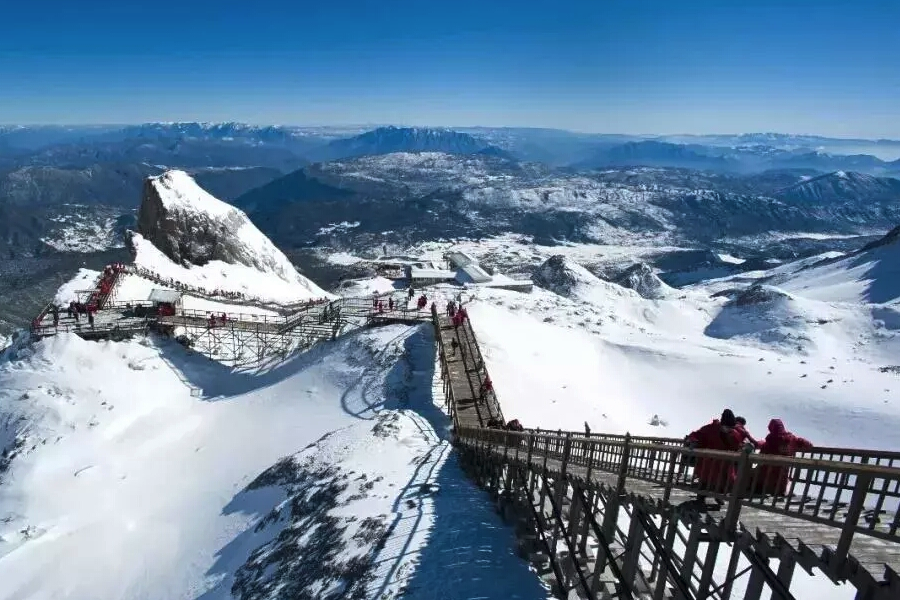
[(214, 321), (95, 300), (105, 285), (729, 433), (183, 287), (209, 294), (496, 423), (457, 315), (378, 304)]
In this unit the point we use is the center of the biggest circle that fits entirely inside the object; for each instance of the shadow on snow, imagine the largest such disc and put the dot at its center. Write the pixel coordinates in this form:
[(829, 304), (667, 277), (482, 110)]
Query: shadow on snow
[(442, 539)]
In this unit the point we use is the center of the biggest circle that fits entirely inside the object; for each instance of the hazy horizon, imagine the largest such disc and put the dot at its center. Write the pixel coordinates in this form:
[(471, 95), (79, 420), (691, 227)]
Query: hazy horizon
[(371, 126)]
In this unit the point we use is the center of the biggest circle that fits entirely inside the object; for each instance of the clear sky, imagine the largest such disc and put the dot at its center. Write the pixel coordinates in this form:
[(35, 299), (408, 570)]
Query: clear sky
[(828, 66)]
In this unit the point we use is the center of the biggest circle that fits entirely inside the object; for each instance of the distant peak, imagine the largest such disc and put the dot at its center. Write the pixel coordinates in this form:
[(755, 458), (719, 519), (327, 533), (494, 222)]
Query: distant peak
[(392, 139)]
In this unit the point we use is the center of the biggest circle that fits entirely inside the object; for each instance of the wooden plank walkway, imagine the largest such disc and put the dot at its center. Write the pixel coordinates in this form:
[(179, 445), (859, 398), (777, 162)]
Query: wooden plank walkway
[(466, 375), (815, 531), (877, 556)]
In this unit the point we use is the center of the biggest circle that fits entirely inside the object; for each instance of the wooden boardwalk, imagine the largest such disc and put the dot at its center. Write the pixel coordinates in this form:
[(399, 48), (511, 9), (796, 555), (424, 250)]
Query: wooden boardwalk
[(840, 516), (465, 373)]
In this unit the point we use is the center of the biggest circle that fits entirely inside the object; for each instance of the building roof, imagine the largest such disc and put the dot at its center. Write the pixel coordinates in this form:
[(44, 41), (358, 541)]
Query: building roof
[(170, 296), (420, 273), (460, 259), (475, 273)]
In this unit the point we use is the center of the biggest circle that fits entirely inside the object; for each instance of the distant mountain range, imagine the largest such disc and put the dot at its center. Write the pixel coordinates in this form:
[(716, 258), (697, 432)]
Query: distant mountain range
[(406, 198), (842, 186), (354, 169), (736, 159), (388, 140)]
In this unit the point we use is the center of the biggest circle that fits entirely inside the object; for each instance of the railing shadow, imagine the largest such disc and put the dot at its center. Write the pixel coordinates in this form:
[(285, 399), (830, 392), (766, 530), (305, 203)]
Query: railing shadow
[(443, 523), (468, 552), (220, 382)]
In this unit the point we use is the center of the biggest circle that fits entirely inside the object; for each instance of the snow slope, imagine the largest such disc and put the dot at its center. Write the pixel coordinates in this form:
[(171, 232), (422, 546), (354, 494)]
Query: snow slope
[(328, 474), (84, 280), (871, 276), (134, 288), (616, 360), (819, 350), (218, 275)]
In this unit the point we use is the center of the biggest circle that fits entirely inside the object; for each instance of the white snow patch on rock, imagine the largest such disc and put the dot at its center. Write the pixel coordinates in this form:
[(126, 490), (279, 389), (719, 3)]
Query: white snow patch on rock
[(218, 275)]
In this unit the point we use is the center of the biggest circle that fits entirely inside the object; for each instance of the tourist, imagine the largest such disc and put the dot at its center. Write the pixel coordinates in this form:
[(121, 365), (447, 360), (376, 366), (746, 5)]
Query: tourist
[(773, 479), (742, 427), (716, 475)]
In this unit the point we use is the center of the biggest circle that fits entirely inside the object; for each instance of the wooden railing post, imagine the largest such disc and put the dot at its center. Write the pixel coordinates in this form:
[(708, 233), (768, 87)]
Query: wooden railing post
[(567, 450), (614, 499), (623, 466), (729, 524), (857, 501)]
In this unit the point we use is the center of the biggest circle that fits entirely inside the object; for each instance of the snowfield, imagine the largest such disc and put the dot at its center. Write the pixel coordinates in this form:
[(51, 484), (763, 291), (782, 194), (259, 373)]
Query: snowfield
[(327, 474), (143, 470), (611, 357)]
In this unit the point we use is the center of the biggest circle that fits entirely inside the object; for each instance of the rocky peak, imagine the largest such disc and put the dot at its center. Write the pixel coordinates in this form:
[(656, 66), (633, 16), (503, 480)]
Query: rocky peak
[(563, 276), (191, 227), (641, 278)]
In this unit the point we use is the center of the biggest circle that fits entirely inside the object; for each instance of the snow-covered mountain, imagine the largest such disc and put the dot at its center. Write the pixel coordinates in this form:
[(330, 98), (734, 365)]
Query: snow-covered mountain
[(421, 196), (140, 470), (387, 140), (842, 186), (198, 232)]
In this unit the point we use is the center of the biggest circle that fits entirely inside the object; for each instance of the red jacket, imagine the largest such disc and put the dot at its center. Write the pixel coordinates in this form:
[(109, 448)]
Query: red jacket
[(771, 479), (716, 475), (746, 435)]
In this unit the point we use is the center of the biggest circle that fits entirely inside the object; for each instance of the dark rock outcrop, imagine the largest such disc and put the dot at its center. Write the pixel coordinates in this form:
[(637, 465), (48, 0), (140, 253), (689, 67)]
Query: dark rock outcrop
[(758, 294), (186, 238), (562, 276), (641, 278)]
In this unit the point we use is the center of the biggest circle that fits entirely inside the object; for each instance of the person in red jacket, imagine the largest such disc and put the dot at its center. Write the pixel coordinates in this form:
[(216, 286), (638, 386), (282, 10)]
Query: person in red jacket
[(772, 479), (712, 474), (742, 426)]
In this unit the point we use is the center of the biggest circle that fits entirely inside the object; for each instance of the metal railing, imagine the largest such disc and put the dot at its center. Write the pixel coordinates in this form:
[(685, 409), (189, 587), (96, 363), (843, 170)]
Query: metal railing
[(224, 296)]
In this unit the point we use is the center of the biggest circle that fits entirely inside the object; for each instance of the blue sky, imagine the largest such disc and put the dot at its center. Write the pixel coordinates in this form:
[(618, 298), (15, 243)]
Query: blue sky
[(827, 67)]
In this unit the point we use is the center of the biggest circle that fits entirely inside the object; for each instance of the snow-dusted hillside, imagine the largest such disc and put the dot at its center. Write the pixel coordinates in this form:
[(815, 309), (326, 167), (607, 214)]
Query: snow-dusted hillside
[(601, 353), (304, 481), (841, 186), (78, 228), (482, 195), (871, 276)]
